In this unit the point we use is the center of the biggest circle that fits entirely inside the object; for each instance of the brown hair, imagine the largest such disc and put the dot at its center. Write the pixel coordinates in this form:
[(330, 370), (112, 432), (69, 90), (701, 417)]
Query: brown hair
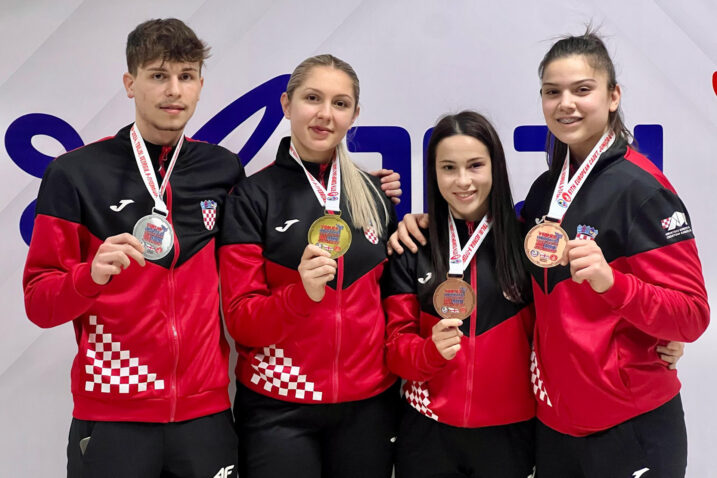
[(167, 39)]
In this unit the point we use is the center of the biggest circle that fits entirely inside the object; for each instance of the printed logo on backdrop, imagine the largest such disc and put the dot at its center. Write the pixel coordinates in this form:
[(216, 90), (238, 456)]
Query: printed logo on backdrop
[(392, 142)]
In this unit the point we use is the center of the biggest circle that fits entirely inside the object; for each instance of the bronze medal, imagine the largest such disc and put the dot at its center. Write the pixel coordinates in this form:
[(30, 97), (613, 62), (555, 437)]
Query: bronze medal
[(454, 299), (332, 234), (545, 244)]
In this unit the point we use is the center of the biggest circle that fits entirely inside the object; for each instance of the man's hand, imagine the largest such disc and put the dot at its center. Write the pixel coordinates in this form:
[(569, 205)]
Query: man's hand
[(114, 255)]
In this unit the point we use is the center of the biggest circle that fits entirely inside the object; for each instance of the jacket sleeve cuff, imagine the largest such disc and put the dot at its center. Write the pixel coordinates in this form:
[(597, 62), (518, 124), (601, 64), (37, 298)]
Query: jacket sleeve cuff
[(298, 301), (431, 355), (84, 285), (616, 296)]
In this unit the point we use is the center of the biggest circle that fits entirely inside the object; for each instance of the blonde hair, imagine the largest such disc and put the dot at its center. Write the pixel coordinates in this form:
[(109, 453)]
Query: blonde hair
[(362, 196)]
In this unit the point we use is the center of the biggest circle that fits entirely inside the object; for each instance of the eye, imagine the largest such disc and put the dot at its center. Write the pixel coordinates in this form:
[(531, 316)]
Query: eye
[(158, 76), (550, 92), (342, 104), (312, 97), (447, 167), (187, 77), (584, 90), (477, 165)]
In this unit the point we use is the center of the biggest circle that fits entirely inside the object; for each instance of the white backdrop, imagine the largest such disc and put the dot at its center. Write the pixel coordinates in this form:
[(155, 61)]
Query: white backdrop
[(416, 60)]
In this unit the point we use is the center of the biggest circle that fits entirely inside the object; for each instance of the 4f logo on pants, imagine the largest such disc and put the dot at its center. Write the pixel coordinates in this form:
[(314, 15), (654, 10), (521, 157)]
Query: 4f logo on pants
[(225, 472)]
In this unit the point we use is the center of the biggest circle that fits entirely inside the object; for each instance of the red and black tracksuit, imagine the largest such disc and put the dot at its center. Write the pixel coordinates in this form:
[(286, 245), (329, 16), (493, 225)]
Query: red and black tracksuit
[(595, 364), (150, 341), (470, 415), (307, 372)]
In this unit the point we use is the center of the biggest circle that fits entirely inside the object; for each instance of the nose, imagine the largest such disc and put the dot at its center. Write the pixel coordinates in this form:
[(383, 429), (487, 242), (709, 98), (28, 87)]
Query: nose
[(567, 102), (463, 180), (324, 110), (172, 87)]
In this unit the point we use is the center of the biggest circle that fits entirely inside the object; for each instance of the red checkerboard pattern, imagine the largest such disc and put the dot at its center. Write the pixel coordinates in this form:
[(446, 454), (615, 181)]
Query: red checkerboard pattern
[(370, 234), (112, 369), (416, 394), (538, 385), (665, 223), (277, 372), (210, 217)]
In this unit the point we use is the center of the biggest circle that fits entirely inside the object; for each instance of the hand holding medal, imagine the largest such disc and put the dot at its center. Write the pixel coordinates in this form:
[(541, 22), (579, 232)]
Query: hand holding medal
[(587, 263), (316, 269), (113, 256)]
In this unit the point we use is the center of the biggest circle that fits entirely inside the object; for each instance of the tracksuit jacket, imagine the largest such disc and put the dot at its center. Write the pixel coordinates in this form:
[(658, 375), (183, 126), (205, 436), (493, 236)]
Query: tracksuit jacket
[(150, 341), (488, 382), (289, 347), (595, 363)]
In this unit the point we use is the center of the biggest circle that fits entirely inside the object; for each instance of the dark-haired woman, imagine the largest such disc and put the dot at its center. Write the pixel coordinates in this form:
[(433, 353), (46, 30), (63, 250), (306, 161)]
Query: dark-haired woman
[(459, 324), (627, 280)]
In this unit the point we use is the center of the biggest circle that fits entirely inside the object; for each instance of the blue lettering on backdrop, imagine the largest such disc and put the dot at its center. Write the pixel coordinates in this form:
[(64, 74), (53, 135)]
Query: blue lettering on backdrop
[(392, 142)]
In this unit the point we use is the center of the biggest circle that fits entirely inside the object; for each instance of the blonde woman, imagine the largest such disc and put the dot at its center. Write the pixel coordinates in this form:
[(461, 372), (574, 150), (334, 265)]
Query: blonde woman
[(301, 260)]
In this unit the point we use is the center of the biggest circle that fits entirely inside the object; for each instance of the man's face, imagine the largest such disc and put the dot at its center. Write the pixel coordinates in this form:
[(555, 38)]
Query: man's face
[(165, 95)]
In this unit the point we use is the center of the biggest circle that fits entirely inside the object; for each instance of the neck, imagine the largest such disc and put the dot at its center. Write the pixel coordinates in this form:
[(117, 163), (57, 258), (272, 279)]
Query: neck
[(158, 137), (474, 216), (317, 157)]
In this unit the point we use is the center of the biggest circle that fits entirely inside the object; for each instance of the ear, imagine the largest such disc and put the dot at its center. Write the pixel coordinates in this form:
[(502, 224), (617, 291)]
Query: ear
[(128, 81), (356, 113), (615, 96), (285, 105)]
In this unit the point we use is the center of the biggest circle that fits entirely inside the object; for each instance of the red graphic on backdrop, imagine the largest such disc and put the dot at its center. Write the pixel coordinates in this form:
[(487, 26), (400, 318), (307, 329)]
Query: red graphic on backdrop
[(714, 82)]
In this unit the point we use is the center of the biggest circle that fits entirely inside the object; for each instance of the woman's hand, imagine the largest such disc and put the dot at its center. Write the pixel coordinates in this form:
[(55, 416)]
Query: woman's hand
[(671, 353), (447, 337), (316, 269), (587, 263), (408, 230)]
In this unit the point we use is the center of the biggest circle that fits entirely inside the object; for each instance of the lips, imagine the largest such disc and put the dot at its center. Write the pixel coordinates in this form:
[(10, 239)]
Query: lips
[(172, 108), (465, 196), (569, 120)]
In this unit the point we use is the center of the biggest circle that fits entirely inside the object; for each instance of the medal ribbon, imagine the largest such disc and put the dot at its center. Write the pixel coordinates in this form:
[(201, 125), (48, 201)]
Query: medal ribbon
[(147, 171), (565, 192), (459, 259), (331, 199)]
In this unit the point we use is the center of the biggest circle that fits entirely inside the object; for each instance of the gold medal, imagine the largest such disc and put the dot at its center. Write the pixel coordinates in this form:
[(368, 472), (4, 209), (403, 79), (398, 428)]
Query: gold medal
[(332, 234), (545, 244), (454, 299)]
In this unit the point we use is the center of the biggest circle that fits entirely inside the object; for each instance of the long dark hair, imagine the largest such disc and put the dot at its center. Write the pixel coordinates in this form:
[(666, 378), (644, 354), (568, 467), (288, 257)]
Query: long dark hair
[(591, 46), (510, 266)]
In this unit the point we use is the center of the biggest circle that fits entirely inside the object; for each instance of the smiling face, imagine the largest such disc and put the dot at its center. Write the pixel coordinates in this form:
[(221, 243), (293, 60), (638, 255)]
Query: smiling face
[(464, 176), (577, 103), (165, 96), (321, 110)]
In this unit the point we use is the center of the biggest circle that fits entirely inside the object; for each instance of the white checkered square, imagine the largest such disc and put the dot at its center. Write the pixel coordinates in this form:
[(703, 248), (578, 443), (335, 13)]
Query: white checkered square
[(538, 385), (416, 394), (371, 235), (113, 368), (276, 372)]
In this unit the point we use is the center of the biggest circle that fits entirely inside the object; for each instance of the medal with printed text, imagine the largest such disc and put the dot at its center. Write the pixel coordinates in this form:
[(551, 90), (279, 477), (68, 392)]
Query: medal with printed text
[(545, 244), (332, 234), (156, 235), (454, 299)]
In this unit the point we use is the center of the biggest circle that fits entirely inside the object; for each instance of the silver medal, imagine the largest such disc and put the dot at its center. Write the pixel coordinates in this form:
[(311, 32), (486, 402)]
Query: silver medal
[(156, 235)]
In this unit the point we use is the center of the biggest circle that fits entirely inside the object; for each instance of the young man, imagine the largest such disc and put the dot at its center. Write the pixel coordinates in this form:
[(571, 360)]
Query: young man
[(150, 378)]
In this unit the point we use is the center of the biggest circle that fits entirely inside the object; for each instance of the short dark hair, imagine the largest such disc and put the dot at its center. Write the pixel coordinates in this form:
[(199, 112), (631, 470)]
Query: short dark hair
[(510, 260), (167, 39)]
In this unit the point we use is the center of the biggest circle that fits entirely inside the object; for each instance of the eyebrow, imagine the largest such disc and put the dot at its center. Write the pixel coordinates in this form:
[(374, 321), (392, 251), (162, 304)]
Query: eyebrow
[(584, 80), (309, 89), (161, 68)]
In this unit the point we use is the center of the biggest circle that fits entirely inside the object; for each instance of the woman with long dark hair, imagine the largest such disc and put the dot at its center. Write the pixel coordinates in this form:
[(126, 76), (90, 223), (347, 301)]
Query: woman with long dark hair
[(459, 321)]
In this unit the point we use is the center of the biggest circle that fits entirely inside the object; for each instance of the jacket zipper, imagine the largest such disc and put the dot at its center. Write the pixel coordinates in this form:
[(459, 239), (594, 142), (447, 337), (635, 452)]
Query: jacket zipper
[(471, 338), (339, 287), (172, 293)]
